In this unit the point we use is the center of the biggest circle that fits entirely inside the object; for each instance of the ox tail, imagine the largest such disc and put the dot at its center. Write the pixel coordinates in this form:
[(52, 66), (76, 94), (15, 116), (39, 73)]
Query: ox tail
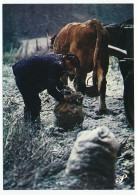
[(96, 55)]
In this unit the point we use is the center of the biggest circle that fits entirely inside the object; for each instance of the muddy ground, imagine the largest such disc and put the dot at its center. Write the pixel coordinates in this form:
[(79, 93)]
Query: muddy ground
[(36, 158)]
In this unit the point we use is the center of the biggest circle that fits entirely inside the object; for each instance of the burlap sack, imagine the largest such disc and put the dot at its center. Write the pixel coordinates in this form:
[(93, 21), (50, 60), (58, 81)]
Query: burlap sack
[(69, 113)]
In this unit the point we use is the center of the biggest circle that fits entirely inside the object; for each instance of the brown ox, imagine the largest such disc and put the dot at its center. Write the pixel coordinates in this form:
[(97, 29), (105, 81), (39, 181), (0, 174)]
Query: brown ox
[(89, 41)]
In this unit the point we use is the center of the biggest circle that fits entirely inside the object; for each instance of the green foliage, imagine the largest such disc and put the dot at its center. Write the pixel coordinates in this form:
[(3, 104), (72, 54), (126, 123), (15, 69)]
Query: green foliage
[(9, 58)]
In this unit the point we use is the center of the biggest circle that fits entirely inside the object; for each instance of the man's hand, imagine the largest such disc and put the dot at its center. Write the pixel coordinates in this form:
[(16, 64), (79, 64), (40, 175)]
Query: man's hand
[(67, 87), (66, 97)]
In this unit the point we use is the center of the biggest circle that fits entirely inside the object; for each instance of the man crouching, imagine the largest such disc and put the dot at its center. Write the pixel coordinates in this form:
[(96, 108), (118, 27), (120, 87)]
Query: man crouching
[(37, 73)]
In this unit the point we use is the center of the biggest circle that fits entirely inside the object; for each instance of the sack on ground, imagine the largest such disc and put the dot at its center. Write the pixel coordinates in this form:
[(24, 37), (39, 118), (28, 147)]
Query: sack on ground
[(69, 112)]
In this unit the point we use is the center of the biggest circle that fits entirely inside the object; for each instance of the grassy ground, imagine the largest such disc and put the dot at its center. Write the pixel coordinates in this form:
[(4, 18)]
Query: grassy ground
[(36, 158)]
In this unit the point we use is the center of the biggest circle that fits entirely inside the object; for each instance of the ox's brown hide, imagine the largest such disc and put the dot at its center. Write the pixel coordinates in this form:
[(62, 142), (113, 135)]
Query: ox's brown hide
[(89, 41)]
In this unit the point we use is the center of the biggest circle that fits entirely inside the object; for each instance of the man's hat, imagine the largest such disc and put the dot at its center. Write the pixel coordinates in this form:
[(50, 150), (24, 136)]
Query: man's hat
[(74, 60)]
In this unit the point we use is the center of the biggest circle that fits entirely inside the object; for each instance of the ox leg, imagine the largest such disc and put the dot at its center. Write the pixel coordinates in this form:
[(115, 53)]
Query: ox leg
[(79, 83), (102, 90)]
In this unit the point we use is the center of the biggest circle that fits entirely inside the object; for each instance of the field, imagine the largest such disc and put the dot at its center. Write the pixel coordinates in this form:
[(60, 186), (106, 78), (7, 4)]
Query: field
[(35, 158)]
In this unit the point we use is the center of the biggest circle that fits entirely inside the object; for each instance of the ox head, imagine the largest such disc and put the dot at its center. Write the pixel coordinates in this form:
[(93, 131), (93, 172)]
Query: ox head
[(52, 39), (71, 64)]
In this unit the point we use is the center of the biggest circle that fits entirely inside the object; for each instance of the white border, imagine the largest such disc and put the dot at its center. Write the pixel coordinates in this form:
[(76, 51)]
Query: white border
[(66, 2)]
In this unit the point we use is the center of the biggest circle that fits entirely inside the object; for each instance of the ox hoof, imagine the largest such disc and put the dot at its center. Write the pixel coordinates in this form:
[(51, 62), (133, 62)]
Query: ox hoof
[(102, 111)]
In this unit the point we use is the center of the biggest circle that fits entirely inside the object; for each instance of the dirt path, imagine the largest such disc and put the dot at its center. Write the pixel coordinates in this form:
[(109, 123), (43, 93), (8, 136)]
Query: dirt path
[(37, 159)]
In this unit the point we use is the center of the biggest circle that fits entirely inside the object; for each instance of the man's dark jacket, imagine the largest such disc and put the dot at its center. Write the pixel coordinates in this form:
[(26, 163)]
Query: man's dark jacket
[(41, 72)]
